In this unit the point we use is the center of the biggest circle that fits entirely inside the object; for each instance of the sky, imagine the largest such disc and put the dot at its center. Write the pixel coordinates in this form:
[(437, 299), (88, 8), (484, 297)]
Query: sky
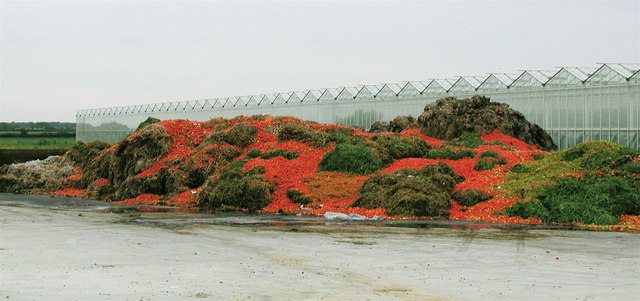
[(57, 57)]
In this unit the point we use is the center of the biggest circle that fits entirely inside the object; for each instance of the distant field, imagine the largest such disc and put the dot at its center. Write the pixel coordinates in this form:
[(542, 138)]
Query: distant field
[(46, 134), (37, 143), (29, 132)]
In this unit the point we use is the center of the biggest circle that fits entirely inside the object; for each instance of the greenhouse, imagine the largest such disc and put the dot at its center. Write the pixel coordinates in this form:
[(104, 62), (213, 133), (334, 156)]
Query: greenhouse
[(573, 104)]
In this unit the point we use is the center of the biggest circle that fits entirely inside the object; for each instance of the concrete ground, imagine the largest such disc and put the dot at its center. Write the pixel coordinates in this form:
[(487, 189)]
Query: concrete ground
[(53, 254)]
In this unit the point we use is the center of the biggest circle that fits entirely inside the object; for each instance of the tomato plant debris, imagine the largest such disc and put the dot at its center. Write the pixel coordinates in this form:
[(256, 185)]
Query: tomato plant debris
[(284, 165)]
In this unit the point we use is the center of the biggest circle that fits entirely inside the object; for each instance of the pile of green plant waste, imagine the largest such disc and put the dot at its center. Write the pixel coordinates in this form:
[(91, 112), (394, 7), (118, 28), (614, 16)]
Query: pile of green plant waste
[(528, 179), (470, 197), (298, 198), (593, 183), (351, 158), (400, 148), (488, 160), (592, 199), (234, 189), (148, 121), (411, 192)]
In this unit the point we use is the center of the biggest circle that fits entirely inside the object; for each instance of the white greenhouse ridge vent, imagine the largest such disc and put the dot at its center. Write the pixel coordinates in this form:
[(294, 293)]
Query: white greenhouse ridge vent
[(604, 74)]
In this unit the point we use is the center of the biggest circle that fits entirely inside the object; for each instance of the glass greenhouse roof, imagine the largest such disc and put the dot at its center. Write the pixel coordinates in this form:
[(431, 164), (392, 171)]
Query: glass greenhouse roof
[(602, 74)]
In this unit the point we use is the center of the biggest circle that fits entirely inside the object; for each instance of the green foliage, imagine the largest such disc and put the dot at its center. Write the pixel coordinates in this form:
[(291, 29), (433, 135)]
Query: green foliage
[(234, 166), (149, 121), (449, 153), (572, 153), (532, 177), (467, 140), (519, 168), (254, 153), (278, 152), (241, 134), (632, 167), (37, 143), (411, 192), (237, 189), (597, 155), (486, 163), (39, 134), (297, 197), (340, 138), (399, 148), (470, 197), (47, 127), (589, 200), (537, 157), (350, 158), (304, 133), (630, 152), (98, 145), (84, 153), (528, 210), (489, 154)]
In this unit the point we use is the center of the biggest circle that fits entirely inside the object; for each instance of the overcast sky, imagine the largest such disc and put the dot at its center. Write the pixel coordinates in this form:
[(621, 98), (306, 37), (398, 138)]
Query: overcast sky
[(59, 57)]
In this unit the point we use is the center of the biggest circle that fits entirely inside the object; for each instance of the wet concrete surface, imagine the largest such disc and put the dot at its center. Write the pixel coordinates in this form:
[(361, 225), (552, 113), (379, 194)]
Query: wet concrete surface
[(60, 253)]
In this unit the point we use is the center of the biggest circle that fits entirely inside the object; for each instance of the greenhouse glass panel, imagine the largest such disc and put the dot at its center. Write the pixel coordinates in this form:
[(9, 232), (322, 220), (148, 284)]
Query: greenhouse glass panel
[(627, 70), (281, 98), (563, 78), (296, 97), (312, 96), (465, 84), (496, 82), (234, 101), (244, 100), (268, 99), (347, 93), (388, 91), (255, 100), (635, 77), (605, 74), (227, 102), (367, 92), (411, 89), (526, 80), (571, 108), (438, 86), (328, 95), (216, 103)]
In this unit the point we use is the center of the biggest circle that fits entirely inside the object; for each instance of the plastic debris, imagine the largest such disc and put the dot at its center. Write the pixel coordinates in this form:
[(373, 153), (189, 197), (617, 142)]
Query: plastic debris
[(352, 216)]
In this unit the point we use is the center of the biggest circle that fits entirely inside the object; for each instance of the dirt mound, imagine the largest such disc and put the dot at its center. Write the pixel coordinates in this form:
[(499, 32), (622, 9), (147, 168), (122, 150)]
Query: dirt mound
[(396, 125), (449, 118)]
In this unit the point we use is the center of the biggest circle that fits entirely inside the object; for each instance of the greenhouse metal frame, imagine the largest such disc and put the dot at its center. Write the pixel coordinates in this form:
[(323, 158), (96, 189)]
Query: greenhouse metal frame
[(573, 104)]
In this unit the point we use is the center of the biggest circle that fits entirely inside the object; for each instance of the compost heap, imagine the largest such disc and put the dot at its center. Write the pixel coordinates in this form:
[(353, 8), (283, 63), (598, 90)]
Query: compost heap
[(271, 164)]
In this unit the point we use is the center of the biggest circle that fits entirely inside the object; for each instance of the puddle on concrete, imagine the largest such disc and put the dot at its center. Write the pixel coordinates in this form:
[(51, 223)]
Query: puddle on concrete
[(178, 218)]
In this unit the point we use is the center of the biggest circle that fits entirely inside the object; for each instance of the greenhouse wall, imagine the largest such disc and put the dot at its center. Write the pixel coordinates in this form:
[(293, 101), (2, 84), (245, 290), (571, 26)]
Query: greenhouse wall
[(572, 106)]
